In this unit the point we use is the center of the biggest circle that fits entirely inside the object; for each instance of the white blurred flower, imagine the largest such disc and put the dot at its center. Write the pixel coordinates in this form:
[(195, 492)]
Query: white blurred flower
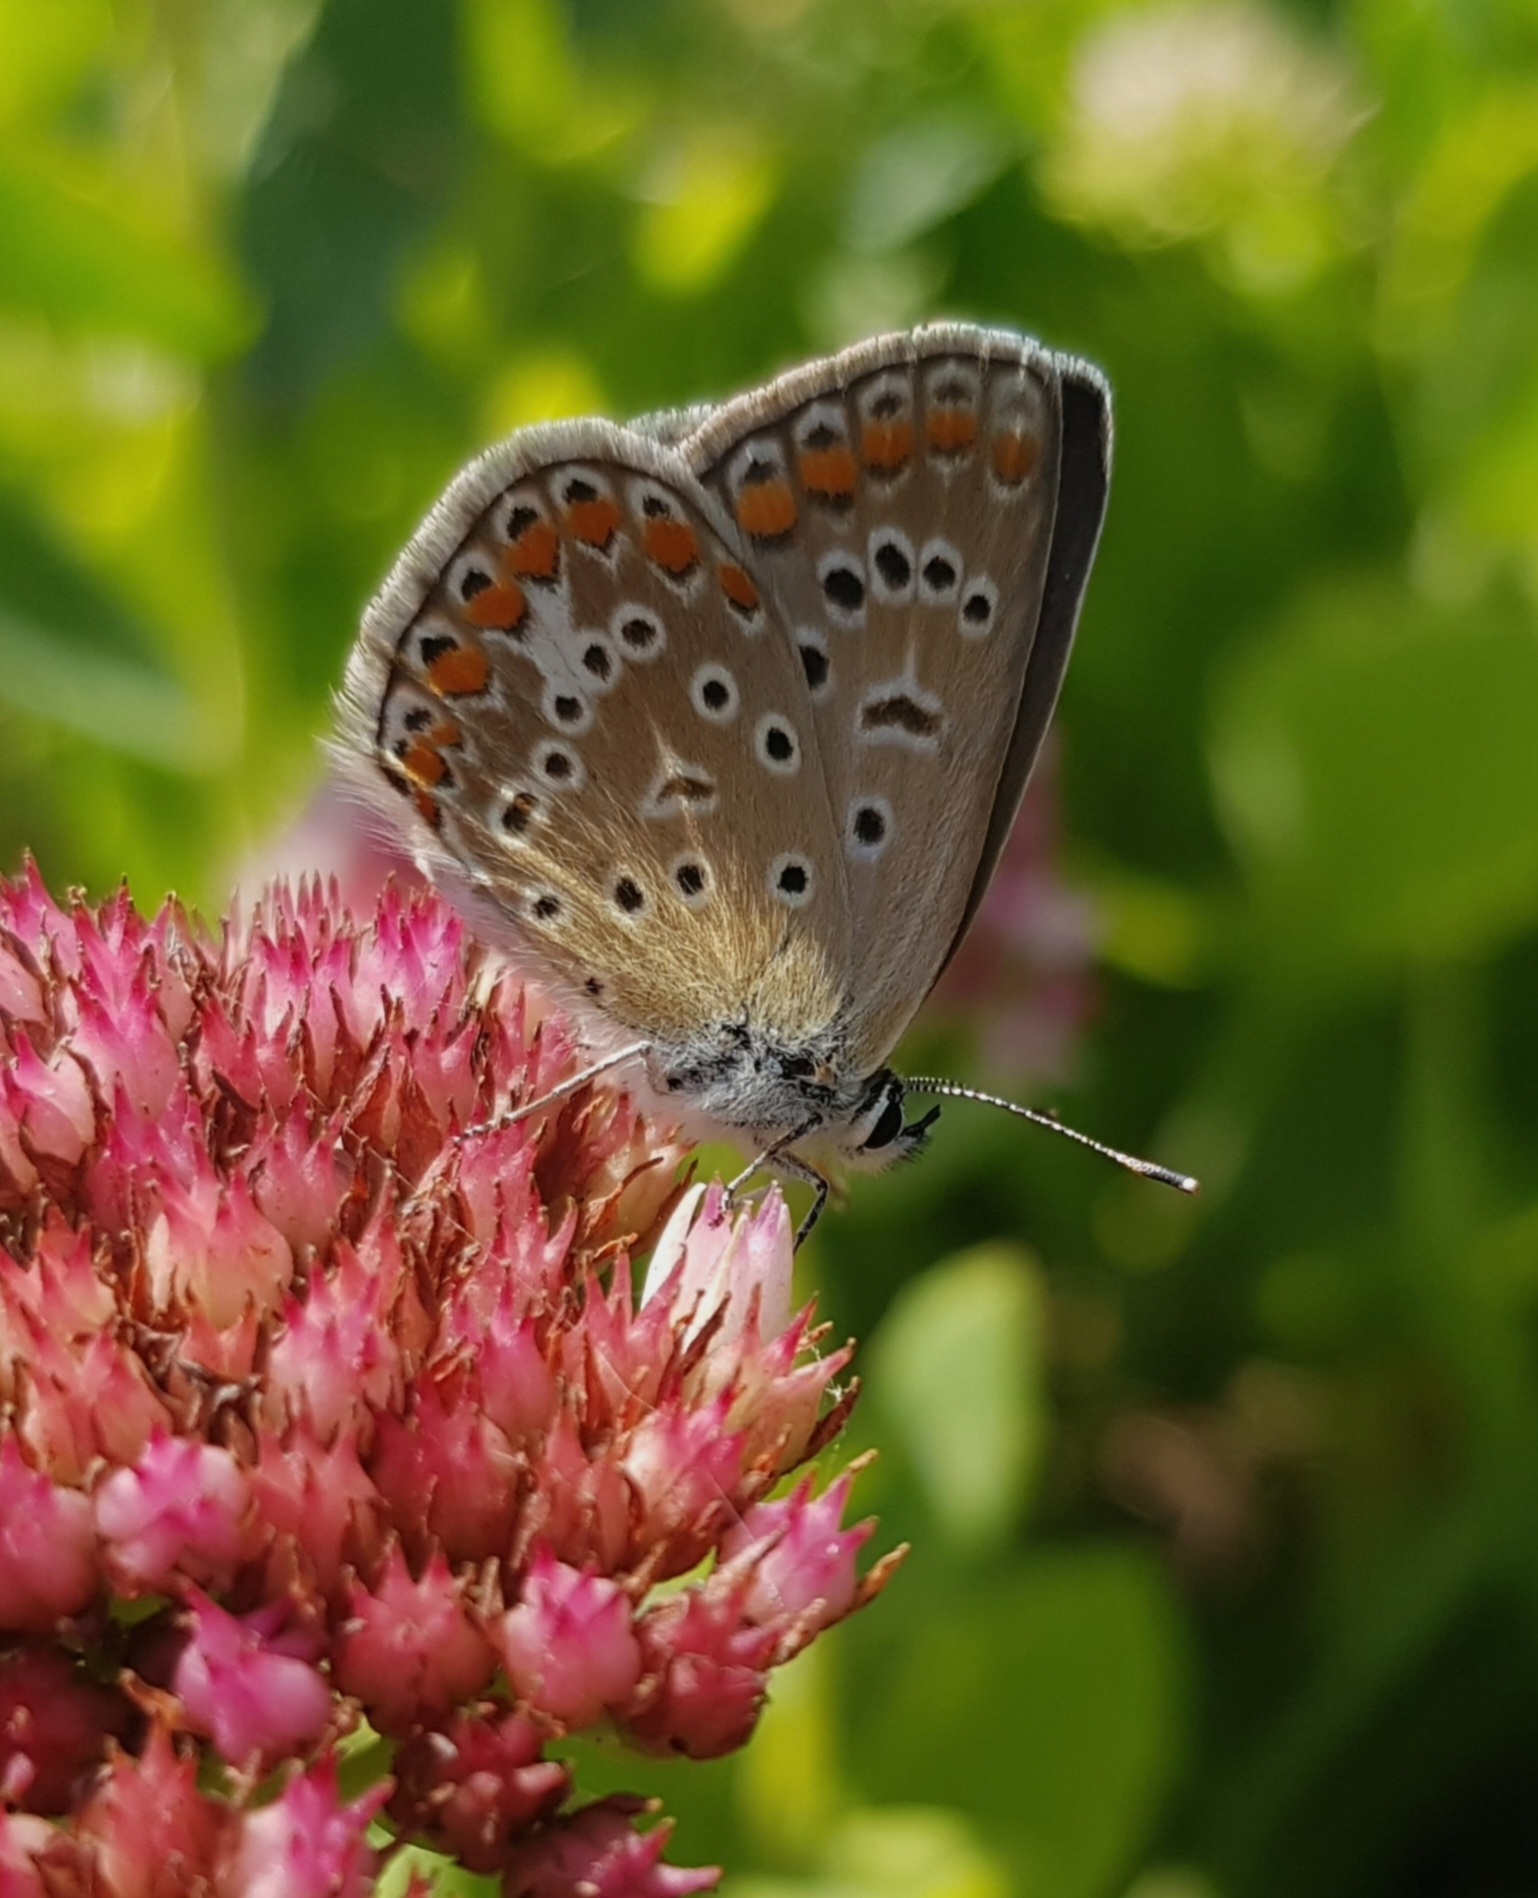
[(1206, 117)]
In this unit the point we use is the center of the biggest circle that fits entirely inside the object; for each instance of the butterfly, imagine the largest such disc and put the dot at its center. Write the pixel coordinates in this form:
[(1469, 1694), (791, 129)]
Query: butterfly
[(719, 721)]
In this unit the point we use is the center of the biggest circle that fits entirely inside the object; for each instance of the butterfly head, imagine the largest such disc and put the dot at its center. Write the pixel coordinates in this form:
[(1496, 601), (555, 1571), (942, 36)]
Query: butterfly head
[(879, 1132), (741, 1081)]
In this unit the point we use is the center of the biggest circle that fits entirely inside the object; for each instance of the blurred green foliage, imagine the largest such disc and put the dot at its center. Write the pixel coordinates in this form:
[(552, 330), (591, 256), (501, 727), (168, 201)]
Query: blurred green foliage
[(1225, 1515)]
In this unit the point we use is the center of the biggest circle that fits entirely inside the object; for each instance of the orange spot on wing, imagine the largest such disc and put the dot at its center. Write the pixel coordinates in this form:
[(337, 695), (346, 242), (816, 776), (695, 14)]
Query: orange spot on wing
[(464, 669), (445, 732), (535, 554), (830, 472), (594, 523), (499, 609), (766, 509), (886, 445), (674, 545), (1014, 456), (738, 587), (423, 766), (427, 808), (951, 430)]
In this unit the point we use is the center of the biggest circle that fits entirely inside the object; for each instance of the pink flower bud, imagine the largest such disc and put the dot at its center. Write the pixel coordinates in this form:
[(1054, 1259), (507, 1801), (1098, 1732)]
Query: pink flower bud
[(181, 1513), (705, 1261), (245, 1685), (25, 1841), (54, 1725), (580, 1507), (153, 1834), (211, 1247), (124, 1043), (47, 1547), (450, 1470), (319, 1499), (335, 1356), (706, 1673), (46, 1111), (515, 1384), (685, 1465), (473, 1786), (306, 1843), (299, 1180), (598, 1853), (408, 1650), (803, 1563), (568, 1646)]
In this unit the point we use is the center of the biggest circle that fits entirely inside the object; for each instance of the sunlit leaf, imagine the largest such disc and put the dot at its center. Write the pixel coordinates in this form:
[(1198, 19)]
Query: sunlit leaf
[(892, 1852), (703, 202), (955, 1371), (72, 654), (1048, 1705), (76, 258), (917, 176)]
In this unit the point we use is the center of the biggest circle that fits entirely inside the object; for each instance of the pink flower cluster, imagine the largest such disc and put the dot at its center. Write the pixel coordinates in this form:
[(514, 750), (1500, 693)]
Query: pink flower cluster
[(326, 1395)]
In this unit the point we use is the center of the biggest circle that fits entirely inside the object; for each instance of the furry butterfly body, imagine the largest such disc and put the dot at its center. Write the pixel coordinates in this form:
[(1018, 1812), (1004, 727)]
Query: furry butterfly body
[(720, 721)]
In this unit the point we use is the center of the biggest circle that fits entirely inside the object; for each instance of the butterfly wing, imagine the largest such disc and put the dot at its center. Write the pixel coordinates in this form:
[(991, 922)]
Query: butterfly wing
[(575, 690), (923, 509), (1083, 483)]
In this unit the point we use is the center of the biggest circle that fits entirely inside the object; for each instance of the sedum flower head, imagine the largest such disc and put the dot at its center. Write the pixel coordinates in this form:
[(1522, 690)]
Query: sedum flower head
[(328, 1397)]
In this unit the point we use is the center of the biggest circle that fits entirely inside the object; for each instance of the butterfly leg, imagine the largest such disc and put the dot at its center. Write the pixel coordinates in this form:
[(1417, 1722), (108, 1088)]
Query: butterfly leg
[(778, 1157), (797, 1169), (511, 1116)]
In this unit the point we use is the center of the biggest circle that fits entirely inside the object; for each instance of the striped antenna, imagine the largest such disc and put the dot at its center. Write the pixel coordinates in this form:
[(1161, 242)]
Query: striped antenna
[(1145, 1169)]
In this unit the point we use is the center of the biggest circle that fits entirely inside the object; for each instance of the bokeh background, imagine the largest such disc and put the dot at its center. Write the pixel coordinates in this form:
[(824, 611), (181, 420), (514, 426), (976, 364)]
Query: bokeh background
[(1225, 1514)]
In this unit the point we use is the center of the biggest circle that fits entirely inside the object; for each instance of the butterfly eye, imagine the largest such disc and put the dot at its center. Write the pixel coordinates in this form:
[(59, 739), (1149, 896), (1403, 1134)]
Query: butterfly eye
[(884, 1120)]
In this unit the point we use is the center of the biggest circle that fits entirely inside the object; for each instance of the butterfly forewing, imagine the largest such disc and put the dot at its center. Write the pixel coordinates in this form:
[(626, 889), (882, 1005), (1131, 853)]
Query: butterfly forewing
[(577, 686), (898, 503)]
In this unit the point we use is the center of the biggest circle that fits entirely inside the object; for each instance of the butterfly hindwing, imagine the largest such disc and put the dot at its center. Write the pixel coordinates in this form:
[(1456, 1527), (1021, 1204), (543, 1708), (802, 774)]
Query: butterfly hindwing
[(577, 689), (900, 504)]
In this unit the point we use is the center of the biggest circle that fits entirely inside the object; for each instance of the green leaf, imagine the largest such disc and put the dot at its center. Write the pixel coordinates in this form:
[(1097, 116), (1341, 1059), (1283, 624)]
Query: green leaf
[(1046, 1706), (354, 163), (71, 257), (1376, 767), (892, 1852), (918, 176), (955, 1370), (72, 654)]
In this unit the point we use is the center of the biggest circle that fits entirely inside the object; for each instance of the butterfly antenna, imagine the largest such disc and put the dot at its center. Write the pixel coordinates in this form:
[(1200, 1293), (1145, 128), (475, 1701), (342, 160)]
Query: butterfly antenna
[(1145, 1169)]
